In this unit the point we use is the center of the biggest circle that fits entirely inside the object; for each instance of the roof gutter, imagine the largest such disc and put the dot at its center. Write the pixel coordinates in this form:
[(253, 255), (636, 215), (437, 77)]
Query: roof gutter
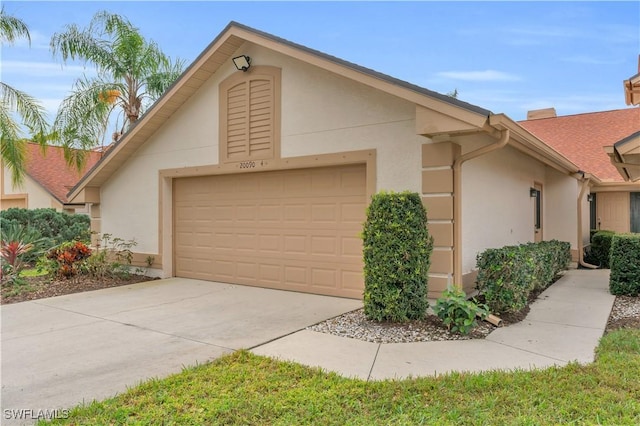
[(457, 199)]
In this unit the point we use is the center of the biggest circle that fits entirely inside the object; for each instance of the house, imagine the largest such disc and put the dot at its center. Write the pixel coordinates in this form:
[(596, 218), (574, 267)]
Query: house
[(585, 139), (257, 165), (632, 88), (47, 181)]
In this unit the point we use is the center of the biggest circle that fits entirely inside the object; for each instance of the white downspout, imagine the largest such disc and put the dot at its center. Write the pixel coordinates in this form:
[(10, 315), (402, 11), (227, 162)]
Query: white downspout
[(457, 200), (583, 190)]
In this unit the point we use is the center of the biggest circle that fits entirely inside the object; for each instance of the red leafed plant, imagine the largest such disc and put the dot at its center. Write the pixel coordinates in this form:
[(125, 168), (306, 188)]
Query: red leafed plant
[(68, 256), (11, 251), (15, 242)]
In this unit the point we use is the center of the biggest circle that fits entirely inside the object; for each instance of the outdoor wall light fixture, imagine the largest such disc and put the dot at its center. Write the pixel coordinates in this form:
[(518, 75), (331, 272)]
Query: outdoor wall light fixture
[(242, 62), (533, 192)]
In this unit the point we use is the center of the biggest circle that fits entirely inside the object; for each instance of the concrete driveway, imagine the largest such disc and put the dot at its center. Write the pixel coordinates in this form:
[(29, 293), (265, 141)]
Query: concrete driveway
[(66, 350)]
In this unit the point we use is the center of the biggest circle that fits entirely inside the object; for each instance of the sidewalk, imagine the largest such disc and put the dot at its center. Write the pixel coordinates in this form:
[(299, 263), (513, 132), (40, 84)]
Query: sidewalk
[(563, 325)]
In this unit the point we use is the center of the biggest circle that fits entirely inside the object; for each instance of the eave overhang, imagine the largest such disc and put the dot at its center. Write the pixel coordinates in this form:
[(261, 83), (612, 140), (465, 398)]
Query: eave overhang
[(625, 156), (524, 141)]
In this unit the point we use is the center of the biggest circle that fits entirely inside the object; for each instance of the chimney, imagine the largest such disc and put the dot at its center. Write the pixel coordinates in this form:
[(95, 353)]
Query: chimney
[(537, 114)]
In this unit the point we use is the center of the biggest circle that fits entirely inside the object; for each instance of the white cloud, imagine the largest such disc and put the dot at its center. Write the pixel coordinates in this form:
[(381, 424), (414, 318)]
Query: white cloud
[(43, 69), (50, 105), (487, 75), (38, 41), (590, 60)]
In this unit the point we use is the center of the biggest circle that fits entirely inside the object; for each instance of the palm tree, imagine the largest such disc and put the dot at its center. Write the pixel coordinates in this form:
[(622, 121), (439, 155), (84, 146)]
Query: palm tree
[(13, 145), (131, 74)]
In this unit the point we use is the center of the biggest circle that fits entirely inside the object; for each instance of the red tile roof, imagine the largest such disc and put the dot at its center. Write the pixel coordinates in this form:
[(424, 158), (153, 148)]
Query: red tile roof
[(52, 172), (581, 137)]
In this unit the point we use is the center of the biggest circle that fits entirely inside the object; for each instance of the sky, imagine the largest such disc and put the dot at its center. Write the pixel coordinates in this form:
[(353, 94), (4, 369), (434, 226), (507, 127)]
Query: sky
[(507, 57)]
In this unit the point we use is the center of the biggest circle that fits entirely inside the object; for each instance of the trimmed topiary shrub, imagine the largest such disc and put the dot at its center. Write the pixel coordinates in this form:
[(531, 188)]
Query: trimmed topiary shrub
[(508, 275), (625, 265), (397, 254), (551, 257), (600, 250)]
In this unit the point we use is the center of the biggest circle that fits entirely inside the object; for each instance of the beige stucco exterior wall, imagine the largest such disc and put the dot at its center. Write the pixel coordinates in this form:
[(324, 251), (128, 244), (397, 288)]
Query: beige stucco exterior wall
[(560, 213), (321, 113), (497, 209), (37, 198)]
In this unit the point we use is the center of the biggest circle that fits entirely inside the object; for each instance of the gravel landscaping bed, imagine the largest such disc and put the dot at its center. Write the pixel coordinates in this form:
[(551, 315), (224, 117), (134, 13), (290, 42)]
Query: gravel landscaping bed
[(625, 314), (356, 326)]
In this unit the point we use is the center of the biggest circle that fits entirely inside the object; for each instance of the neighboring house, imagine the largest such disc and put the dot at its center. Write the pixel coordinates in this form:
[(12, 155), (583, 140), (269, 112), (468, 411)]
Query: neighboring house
[(47, 181), (262, 177), (582, 138), (632, 88)]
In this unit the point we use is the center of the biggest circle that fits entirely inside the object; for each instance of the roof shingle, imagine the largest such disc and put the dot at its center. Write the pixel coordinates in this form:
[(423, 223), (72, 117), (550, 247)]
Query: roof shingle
[(582, 137), (52, 172)]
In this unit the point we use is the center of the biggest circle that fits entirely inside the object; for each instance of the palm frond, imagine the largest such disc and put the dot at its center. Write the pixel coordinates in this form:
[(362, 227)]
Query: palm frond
[(75, 43), (33, 114), (12, 28), (158, 82), (13, 148), (83, 116)]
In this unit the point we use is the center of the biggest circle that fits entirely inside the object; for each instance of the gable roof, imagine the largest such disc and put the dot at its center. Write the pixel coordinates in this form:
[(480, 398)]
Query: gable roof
[(219, 51), (582, 137), (50, 170)]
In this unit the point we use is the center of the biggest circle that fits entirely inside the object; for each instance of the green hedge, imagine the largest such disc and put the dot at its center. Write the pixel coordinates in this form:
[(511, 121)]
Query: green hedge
[(600, 250), (625, 265), (507, 275), (56, 227), (397, 254)]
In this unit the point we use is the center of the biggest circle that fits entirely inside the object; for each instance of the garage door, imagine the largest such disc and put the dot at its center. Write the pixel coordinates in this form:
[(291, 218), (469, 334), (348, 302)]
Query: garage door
[(294, 229)]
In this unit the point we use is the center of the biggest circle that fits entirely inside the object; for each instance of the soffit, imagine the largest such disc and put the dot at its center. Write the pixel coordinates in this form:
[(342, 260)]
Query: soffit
[(625, 155)]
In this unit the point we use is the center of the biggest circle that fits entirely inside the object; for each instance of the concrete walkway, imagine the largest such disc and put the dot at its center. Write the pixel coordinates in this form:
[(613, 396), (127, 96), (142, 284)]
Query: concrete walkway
[(564, 325)]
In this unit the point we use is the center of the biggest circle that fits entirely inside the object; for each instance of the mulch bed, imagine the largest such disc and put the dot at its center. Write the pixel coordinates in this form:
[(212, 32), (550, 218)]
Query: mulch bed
[(44, 286)]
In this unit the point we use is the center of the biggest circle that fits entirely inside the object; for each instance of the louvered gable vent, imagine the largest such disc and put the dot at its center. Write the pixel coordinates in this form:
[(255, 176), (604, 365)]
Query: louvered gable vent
[(248, 117)]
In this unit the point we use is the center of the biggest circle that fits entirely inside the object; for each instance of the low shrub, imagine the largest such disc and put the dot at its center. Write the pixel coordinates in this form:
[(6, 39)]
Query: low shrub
[(550, 258), (112, 257), (56, 227), (624, 279), (458, 313), (397, 250), (505, 278), (65, 260), (600, 250), (507, 275)]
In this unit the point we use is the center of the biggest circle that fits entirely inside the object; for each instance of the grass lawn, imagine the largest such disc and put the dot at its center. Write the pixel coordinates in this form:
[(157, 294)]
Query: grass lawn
[(33, 272), (242, 388)]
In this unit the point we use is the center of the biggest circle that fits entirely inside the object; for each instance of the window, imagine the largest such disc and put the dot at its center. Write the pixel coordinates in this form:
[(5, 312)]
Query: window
[(250, 115), (635, 211), (538, 210)]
